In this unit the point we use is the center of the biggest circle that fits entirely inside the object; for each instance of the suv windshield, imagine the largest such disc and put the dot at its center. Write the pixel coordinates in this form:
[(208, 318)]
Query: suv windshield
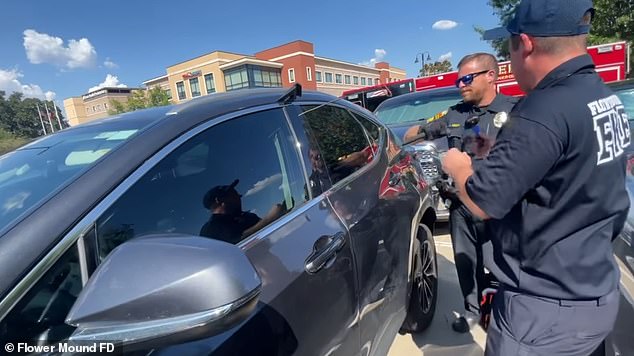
[(416, 106), (30, 174)]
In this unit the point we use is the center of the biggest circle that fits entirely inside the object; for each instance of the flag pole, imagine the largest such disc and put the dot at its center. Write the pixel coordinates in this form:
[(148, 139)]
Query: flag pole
[(48, 116), (39, 114), (57, 116)]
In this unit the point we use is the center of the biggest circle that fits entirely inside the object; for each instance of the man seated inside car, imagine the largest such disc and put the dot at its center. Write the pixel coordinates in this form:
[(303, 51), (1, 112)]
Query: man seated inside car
[(228, 222)]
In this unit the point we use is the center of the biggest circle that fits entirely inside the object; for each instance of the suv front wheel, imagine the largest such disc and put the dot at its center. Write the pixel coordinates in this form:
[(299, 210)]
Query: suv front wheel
[(422, 304)]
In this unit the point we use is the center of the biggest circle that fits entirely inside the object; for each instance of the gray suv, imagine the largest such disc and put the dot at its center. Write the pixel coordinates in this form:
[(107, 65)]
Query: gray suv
[(255, 222)]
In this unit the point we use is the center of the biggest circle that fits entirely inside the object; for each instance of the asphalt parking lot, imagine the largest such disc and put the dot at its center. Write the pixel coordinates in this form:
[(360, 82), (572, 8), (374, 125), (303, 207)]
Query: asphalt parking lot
[(440, 339)]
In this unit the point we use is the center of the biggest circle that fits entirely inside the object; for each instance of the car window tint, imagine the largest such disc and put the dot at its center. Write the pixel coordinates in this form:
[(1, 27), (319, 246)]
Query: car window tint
[(372, 130), (39, 316), (339, 137), (226, 183)]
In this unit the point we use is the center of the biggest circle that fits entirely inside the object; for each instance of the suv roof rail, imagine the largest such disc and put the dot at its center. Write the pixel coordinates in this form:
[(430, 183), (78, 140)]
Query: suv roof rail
[(291, 94)]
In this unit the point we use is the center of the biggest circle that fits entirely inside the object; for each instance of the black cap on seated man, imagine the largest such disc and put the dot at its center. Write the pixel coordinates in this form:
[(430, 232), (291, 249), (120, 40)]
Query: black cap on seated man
[(228, 221)]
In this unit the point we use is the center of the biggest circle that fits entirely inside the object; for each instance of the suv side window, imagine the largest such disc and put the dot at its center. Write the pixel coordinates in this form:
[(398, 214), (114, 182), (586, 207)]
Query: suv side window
[(226, 183), (339, 137), (38, 318), (371, 128)]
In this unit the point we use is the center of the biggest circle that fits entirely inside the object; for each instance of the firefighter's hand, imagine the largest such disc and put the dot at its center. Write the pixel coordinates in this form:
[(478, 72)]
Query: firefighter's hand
[(455, 162)]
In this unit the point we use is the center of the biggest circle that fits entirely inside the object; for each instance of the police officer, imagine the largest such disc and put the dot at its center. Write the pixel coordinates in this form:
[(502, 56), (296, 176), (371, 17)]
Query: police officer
[(553, 189), (470, 126)]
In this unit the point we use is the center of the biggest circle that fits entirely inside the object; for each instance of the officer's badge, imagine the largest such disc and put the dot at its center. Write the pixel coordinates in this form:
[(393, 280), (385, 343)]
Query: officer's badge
[(500, 119)]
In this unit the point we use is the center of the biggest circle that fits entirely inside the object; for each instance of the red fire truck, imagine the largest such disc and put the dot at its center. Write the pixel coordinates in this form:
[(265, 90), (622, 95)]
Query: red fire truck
[(370, 97), (611, 61)]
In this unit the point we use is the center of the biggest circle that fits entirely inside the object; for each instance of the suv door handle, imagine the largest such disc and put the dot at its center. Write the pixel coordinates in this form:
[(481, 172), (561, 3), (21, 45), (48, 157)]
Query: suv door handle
[(324, 250)]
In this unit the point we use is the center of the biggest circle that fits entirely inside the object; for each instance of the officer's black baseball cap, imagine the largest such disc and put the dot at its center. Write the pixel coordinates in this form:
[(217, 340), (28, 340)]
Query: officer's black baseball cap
[(219, 192), (545, 18)]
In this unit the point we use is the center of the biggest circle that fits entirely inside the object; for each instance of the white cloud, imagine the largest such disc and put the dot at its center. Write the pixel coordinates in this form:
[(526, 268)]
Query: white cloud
[(44, 48), (443, 25), (10, 83), (379, 54), (446, 56), (111, 81), (263, 184), (110, 64)]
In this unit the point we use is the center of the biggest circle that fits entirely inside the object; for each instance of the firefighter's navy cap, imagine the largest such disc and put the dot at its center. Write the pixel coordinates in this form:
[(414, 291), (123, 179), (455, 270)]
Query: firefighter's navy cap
[(546, 18)]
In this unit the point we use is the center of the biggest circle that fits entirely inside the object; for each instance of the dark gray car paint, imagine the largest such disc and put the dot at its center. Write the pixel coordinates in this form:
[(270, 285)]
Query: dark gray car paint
[(379, 217), (30, 239), (138, 280)]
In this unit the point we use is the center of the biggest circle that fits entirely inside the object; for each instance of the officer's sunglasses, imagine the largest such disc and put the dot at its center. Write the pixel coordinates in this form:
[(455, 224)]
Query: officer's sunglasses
[(468, 79)]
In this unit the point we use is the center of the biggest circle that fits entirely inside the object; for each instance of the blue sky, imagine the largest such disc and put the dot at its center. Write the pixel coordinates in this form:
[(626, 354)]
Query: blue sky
[(67, 47)]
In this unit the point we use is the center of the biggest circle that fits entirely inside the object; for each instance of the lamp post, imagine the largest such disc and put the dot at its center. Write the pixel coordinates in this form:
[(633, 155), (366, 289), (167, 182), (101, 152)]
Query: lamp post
[(422, 57)]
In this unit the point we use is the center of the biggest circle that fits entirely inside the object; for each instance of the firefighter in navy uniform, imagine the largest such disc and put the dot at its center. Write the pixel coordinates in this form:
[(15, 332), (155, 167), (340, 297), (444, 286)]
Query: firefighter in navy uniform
[(552, 189), (470, 126)]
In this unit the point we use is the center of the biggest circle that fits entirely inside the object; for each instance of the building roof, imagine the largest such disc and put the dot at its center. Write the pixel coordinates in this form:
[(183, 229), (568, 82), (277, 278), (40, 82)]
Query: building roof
[(250, 60), (206, 54), (107, 90), (155, 79)]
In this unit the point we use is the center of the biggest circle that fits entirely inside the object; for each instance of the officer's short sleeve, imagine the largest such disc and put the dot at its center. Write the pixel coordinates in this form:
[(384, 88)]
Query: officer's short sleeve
[(435, 129), (523, 154)]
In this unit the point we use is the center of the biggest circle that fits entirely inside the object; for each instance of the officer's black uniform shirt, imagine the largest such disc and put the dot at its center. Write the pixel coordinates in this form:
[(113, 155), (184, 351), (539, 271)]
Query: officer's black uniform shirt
[(554, 186), (464, 138)]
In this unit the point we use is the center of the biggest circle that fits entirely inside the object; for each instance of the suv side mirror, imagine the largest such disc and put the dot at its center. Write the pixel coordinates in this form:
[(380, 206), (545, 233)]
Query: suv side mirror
[(162, 290)]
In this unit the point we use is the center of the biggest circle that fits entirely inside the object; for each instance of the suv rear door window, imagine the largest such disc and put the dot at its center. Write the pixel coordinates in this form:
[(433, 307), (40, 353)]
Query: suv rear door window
[(339, 137)]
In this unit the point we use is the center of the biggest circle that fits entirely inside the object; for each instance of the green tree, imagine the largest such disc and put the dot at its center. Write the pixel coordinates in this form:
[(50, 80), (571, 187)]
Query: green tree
[(613, 21), (19, 116), (116, 107), (436, 68), (157, 97), (140, 99)]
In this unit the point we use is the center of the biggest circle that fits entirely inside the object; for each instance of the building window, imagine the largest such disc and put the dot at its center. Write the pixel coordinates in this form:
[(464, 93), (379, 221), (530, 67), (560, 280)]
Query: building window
[(376, 81), (195, 87), (347, 79), (338, 78), (318, 76), (291, 75), (362, 80), (369, 81), (180, 89), (209, 83), (328, 77), (169, 93), (309, 74), (250, 76), (266, 77), (355, 80), (237, 78)]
